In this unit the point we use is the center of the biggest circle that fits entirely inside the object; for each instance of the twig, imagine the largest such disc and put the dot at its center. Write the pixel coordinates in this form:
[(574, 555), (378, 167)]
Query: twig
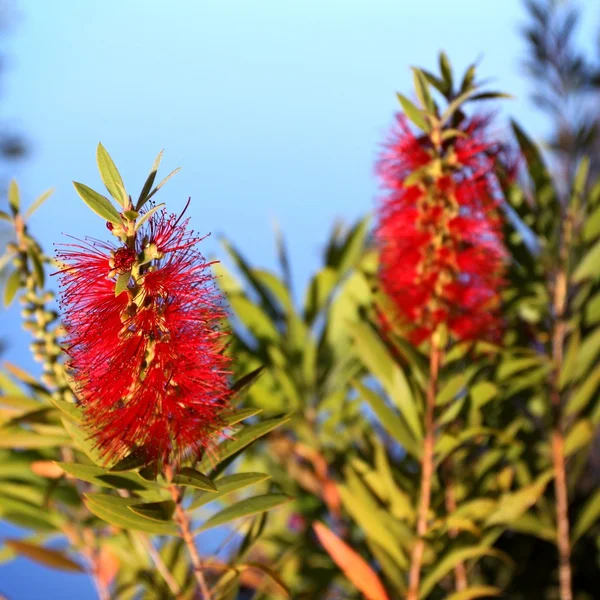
[(183, 522), (426, 473), (161, 567), (558, 456)]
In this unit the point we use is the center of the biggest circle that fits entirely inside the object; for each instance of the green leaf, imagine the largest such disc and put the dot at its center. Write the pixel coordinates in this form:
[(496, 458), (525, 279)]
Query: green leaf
[(245, 508), (244, 382), (122, 282), (446, 71), (587, 353), (450, 560), (588, 266), (587, 516), (567, 371), (163, 182), (111, 177), (105, 478), (581, 435), (390, 420), (44, 556), (192, 478), (584, 392), (227, 485), (14, 200), (38, 267), (513, 504), (592, 310), (413, 113), (490, 96), (70, 409), (248, 435), (82, 441), (155, 511), (98, 203), (451, 389), (235, 416), (11, 287), (482, 392), (38, 202), (374, 521), (147, 215), (591, 227), (20, 438), (422, 89), (5, 216), (137, 458), (480, 591), (116, 511), (455, 104), (149, 181)]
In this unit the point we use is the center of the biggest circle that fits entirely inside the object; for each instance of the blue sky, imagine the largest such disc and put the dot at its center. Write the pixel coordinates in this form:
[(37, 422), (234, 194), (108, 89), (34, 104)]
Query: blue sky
[(273, 109)]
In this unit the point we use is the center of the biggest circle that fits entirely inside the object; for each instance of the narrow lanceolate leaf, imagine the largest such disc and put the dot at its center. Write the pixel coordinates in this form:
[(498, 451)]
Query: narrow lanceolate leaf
[(446, 564), (163, 182), (149, 181), (480, 591), (14, 200), (248, 435), (38, 202), (422, 89), (11, 287), (413, 113), (588, 515), (192, 478), (245, 508), (147, 215), (122, 283), (115, 510), (110, 176), (512, 505), (228, 485), (356, 569), (5, 216), (155, 511), (44, 556), (389, 420), (588, 267), (98, 203)]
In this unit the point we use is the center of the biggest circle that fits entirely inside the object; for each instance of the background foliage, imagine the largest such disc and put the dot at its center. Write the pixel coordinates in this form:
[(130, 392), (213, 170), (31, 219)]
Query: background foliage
[(341, 469)]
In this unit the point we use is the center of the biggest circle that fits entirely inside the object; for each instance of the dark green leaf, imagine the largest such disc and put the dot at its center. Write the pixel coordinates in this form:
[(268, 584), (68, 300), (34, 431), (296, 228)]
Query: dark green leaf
[(587, 516), (245, 508), (228, 485), (192, 478), (116, 511), (155, 511), (149, 181), (163, 183)]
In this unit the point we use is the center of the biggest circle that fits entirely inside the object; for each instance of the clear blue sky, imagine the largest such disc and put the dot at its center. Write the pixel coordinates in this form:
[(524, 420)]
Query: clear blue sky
[(272, 108)]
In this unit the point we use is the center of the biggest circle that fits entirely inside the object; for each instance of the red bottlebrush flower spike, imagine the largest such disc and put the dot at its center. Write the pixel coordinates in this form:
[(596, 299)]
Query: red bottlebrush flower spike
[(440, 233), (148, 364)]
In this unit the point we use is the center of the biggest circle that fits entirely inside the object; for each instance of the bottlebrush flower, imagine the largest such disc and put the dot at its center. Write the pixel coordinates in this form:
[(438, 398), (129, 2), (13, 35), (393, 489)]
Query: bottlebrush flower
[(148, 363), (440, 232)]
